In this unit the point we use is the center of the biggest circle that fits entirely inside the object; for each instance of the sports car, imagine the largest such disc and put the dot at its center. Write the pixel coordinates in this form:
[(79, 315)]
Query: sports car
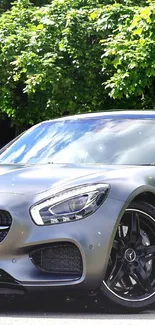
[(77, 208)]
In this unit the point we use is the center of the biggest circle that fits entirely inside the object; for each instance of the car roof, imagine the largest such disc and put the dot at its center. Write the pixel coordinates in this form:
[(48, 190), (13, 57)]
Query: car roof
[(132, 114)]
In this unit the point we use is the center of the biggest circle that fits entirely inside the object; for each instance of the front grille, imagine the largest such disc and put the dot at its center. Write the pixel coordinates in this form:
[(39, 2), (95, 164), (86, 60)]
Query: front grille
[(59, 259), (5, 224)]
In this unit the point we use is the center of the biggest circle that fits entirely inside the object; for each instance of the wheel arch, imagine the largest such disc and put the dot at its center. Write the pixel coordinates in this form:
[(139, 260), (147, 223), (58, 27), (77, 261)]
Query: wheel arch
[(147, 197), (143, 193)]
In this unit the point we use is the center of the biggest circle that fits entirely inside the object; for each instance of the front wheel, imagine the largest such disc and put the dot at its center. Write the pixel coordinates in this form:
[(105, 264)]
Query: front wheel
[(130, 277)]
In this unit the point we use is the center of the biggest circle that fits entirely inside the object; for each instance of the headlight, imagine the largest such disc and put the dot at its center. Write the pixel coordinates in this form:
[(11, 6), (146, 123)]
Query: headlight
[(70, 205)]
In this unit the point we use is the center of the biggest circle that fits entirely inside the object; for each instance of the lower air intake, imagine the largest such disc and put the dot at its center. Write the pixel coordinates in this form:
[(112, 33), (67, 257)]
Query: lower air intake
[(58, 259), (5, 277)]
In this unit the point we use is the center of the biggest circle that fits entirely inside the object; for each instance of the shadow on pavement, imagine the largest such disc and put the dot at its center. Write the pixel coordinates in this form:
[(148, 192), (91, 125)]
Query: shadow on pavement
[(46, 306)]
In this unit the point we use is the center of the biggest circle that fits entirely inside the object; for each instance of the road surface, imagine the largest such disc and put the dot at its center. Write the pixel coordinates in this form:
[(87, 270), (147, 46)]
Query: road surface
[(41, 311)]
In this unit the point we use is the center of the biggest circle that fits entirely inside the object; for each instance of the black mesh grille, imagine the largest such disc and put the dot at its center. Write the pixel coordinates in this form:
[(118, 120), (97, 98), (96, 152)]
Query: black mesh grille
[(59, 259), (5, 223)]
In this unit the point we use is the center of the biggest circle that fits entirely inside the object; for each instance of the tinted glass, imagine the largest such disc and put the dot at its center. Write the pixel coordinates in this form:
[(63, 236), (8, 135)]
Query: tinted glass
[(89, 140)]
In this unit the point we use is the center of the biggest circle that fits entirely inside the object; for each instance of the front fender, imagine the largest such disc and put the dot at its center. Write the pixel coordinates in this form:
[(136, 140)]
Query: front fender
[(127, 191)]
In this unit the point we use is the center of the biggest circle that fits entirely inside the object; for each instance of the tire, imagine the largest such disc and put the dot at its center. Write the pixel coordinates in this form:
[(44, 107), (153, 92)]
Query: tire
[(135, 249)]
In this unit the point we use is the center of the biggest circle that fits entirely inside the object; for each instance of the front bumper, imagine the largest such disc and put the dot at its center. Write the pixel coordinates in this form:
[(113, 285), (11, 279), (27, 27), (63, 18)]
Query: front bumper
[(93, 236)]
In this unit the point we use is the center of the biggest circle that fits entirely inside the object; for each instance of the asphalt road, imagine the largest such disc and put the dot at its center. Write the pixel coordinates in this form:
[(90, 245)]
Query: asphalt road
[(44, 311)]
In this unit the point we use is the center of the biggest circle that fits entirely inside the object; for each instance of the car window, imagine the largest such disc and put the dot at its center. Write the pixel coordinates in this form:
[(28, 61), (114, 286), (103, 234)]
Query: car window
[(89, 140)]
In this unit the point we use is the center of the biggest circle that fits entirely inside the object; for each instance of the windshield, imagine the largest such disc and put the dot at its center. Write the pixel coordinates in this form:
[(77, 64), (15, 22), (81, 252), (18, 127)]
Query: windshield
[(85, 140)]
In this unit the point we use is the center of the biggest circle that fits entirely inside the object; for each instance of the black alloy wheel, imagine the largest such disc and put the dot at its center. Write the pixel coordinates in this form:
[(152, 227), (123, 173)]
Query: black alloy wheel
[(130, 276)]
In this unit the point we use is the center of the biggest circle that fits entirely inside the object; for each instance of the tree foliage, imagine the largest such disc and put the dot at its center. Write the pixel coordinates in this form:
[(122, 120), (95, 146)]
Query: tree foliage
[(129, 57), (75, 56)]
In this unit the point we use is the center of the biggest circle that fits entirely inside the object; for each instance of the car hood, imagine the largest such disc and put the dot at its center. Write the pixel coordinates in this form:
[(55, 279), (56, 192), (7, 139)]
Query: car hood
[(35, 179)]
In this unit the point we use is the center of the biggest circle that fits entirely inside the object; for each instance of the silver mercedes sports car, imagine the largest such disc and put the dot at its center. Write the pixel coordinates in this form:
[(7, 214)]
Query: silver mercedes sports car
[(77, 208)]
